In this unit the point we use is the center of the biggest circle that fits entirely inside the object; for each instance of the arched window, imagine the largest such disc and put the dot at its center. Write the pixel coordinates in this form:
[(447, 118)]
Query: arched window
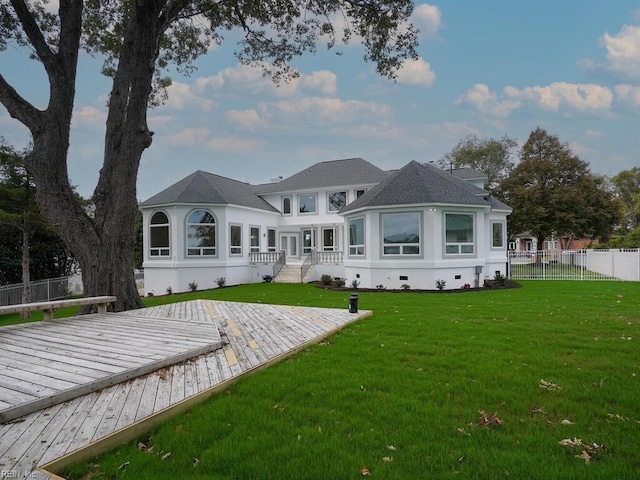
[(159, 235), (201, 234)]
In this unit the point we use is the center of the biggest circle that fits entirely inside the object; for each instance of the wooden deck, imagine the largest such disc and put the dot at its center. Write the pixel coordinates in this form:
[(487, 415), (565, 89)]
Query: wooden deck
[(45, 363), (252, 336)]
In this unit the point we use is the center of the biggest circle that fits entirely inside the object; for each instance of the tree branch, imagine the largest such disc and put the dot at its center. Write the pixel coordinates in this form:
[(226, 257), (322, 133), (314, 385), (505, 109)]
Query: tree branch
[(18, 107)]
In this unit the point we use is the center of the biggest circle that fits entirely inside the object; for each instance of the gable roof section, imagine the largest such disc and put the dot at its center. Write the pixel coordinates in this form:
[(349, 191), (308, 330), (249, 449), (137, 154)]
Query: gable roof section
[(418, 183), (203, 187), (334, 173), (466, 173)]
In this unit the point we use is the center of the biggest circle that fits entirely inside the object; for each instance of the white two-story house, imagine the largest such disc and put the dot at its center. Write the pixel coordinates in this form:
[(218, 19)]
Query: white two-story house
[(346, 218)]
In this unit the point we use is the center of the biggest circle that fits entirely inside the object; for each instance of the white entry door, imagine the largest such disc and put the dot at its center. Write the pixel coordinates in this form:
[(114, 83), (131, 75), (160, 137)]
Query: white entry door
[(289, 243)]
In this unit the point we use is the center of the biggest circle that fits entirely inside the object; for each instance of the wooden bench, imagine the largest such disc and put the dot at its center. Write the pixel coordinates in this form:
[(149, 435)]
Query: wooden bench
[(49, 307)]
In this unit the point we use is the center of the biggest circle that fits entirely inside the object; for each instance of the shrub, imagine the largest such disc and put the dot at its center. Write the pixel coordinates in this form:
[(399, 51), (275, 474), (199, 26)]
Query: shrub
[(169, 290), (355, 284), (440, 284), (501, 279), (339, 282), (221, 282), (405, 286), (267, 278), (326, 279), (466, 286), (193, 286), (380, 287)]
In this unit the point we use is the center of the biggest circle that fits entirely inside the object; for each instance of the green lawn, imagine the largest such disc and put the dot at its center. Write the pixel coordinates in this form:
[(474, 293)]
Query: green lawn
[(400, 392)]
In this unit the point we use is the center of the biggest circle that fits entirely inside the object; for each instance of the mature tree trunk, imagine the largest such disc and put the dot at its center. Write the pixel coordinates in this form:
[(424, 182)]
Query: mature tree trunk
[(103, 245), (26, 277)]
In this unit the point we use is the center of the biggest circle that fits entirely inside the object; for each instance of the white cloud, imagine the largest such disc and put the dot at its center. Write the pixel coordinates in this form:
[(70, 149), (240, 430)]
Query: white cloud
[(250, 119), (481, 98), (416, 72), (565, 96), (89, 117), (247, 79), (628, 94), (428, 19), (181, 97), (594, 133), (581, 150), (190, 137), (321, 110), (234, 145), (622, 58)]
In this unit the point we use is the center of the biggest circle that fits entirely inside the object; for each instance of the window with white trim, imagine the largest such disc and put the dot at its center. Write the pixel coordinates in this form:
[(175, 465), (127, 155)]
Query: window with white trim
[(356, 237), (459, 234), (401, 233), (497, 235), (254, 244), (201, 234), (286, 204), (271, 240), (159, 235), (235, 239), (307, 203), (336, 200)]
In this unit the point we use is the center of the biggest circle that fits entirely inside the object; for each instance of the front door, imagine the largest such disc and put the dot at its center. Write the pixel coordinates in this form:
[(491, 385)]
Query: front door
[(289, 243)]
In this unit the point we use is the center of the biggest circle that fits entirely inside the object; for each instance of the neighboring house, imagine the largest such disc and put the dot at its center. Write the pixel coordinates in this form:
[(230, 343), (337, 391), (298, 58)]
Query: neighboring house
[(345, 218), (526, 242)]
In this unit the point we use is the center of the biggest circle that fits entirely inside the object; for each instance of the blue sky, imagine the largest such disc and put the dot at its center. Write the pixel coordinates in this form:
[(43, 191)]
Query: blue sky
[(490, 68)]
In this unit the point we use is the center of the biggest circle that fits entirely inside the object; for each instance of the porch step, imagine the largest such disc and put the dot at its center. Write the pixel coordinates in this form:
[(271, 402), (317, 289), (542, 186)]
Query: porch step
[(291, 274)]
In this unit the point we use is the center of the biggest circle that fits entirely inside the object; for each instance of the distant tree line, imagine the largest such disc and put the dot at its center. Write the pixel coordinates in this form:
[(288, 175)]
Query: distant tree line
[(552, 191), (29, 247)]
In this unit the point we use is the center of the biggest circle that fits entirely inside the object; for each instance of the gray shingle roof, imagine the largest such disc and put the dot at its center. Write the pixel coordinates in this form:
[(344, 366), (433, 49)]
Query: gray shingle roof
[(334, 173), (466, 173), (202, 187), (416, 183)]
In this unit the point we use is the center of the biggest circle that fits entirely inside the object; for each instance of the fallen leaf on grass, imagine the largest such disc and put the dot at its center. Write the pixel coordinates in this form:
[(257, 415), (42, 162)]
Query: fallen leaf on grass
[(624, 419), (124, 465), (392, 448), (142, 447), (387, 459), (165, 456), (548, 385), (196, 461), (462, 431), (488, 420), (364, 471), (567, 422), (584, 455)]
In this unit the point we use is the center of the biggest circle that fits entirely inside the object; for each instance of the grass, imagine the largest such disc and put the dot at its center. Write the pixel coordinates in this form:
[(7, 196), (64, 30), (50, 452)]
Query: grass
[(400, 392)]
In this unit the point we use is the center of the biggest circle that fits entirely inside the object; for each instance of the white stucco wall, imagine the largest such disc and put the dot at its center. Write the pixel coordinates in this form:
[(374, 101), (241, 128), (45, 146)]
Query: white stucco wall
[(178, 270)]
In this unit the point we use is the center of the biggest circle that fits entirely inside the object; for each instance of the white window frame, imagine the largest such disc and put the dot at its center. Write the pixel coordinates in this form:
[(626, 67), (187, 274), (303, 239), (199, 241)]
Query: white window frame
[(235, 250), (272, 247), (404, 248), (283, 204), (503, 239), (202, 251), (315, 203), (159, 251), (330, 208), (253, 247), (357, 249), (462, 248)]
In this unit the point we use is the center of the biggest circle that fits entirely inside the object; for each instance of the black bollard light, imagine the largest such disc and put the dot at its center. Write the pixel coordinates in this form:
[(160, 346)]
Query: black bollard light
[(353, 304)]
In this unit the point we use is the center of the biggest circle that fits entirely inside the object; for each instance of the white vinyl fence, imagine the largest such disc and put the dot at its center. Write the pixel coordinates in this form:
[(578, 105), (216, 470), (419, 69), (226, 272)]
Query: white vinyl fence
[(613, 264)]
